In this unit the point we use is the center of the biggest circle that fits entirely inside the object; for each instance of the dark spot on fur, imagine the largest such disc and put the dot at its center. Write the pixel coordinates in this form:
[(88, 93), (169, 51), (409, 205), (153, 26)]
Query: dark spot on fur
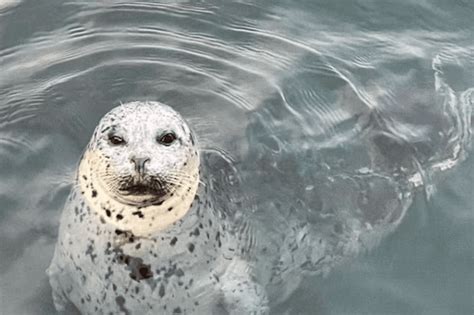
[(109, 273), (195, 232), (119, 217), (218, 239), (145, 272), (179, 272), (173, 241), (138, 269), (90, 251), (191, 247), (108, 213), (170, 208), (120, 300), (124, 258), (161, 291), (177, 310), (171, 271), (94, 193), (138, 213)]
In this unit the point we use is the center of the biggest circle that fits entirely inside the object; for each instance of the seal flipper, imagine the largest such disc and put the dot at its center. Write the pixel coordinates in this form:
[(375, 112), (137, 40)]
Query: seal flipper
[(59, 299), (241, 294), (61, 303)]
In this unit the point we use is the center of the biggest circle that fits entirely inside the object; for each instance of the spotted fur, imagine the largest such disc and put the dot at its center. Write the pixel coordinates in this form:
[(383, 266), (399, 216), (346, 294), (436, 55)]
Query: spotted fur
[(122, 254)]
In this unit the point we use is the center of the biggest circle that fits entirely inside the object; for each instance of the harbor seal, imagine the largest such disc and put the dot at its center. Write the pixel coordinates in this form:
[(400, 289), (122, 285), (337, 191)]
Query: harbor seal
[(141, 232), (156, 224)]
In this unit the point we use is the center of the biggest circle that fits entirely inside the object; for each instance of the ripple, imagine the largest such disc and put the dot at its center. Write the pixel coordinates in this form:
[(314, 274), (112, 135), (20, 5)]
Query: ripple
[(330, 118), (8, 4), (190, 52)]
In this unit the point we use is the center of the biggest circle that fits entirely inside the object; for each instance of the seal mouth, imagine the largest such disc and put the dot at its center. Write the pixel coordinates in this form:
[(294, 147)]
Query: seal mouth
[(142, 190), (144, 187)]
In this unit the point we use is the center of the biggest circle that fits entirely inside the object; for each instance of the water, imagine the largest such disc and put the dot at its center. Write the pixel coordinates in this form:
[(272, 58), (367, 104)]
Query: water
[(303, 94)]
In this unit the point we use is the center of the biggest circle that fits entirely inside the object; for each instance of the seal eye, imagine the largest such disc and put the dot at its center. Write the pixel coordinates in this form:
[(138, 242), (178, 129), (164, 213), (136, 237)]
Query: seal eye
[(167, 139), (116, 140)]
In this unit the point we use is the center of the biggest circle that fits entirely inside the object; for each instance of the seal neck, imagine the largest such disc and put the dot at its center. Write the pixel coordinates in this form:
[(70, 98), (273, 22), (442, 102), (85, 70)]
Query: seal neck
[(143, 220)]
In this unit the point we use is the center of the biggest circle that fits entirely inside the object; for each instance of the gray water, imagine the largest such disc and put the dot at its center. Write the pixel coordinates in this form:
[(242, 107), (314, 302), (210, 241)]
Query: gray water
[(375, 88)]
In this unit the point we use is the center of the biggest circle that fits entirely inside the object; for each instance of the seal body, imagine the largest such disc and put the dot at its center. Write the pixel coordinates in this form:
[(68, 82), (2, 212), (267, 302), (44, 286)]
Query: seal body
[(155, 226), (140, 235), (104, 270)]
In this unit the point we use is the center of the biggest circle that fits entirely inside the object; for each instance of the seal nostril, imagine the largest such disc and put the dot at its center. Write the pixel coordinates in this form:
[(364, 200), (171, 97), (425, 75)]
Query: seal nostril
[(140, 164)]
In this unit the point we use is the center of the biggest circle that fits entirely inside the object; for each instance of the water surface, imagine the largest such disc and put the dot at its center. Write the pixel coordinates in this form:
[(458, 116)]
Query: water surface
[(369, 87)]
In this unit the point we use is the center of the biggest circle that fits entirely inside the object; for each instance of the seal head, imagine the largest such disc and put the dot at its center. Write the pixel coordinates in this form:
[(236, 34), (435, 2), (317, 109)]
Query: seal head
[(141, 168)]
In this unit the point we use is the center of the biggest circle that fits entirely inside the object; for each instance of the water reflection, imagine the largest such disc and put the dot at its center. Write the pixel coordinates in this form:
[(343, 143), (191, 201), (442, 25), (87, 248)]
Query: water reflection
[(330, 112)]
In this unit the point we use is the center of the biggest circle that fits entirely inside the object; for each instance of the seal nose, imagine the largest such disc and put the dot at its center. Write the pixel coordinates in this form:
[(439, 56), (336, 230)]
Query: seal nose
[(140, 164)]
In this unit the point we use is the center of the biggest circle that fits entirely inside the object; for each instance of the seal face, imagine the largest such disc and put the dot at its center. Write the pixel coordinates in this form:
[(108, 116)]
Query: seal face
[(141, 160)]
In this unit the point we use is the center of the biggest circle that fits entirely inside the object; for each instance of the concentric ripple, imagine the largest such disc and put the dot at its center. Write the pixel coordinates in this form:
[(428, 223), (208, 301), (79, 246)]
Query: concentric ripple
[(329, 110)]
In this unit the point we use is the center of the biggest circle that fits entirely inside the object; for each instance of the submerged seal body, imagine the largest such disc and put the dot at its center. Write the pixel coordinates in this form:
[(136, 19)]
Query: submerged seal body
[(139, 234)]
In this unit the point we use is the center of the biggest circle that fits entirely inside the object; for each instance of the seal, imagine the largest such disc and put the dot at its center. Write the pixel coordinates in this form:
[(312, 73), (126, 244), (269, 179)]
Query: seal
[(142, 233), (155, 224)]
